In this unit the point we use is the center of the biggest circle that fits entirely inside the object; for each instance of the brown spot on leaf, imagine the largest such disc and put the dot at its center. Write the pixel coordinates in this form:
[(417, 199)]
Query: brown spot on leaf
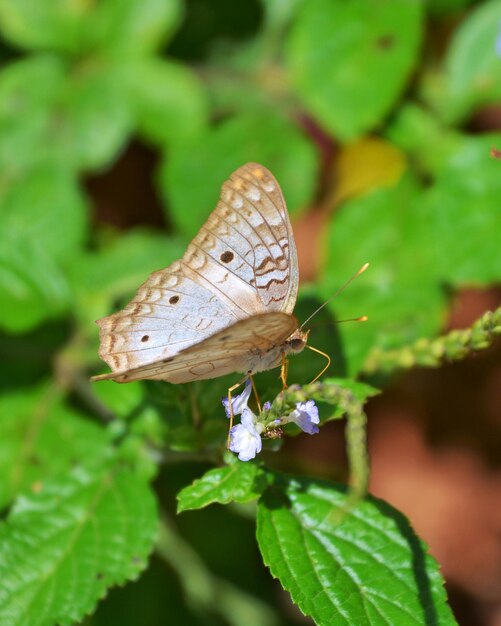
[(385, 42)]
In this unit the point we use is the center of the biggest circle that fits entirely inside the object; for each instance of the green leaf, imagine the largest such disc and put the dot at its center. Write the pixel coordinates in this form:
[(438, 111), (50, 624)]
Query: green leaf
[(458, 217), (414, 129), (28, 91), (122, 400), (334, 569), (125, 27), (472, 67), (417, 242), (118, 268), (458, 214), (74, 117), (139, 427), (33, 287), (338, 53), (62, 548), (168, 101), (440, 8), (400, 292), (45, 207), (42, 224), (42, 438), (116, 26), (193, 174), (55, 25), (92, 120), (239, 482)]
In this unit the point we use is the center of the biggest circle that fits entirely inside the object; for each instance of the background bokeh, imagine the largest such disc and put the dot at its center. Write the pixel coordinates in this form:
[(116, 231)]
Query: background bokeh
[(120, 120)]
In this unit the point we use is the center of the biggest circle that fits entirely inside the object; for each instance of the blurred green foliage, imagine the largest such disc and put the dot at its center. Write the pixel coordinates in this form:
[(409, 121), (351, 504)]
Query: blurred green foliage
[(303, 87)]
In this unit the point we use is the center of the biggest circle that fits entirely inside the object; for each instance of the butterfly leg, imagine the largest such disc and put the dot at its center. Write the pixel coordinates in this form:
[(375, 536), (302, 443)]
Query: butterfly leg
[(323, 354), (255, 393), (284, 371), (230, 407)]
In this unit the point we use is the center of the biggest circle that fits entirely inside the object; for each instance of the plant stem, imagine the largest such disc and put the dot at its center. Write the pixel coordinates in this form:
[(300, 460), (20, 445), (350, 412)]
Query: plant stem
[(205, 592), (356, 436), (454, 346)]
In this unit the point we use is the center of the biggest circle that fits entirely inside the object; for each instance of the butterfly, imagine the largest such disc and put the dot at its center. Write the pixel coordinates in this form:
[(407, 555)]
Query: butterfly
[(226, 306)]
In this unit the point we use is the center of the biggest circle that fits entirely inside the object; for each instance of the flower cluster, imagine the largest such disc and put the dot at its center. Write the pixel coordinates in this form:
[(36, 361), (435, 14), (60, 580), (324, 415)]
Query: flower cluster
[(245, 438)]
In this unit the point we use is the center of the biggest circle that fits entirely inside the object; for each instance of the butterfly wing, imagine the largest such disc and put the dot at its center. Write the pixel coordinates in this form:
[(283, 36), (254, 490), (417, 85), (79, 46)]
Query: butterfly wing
[(243, 262), (246, 248), (242, 347)]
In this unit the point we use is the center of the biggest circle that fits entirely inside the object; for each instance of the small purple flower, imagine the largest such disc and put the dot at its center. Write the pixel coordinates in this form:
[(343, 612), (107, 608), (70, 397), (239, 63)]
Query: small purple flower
[(238, 403), (305, 415), (245, 439)]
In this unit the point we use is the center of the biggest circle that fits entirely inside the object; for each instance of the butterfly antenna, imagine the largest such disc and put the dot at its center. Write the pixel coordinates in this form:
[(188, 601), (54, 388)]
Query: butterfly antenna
[(362, 318), (323, 354), (334, 295)]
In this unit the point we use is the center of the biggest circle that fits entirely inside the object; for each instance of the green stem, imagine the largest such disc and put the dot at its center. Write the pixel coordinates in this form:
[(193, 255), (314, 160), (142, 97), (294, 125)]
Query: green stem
[(207, 593), (454, 346), (356, 421)]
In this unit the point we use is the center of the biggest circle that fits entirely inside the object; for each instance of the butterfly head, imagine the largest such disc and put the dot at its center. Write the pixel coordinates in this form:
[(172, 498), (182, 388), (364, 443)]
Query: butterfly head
[(298, 340)]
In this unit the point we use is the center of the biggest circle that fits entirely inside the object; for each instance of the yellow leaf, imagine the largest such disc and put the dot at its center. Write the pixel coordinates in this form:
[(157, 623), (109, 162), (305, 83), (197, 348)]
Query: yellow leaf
[(368, 164)]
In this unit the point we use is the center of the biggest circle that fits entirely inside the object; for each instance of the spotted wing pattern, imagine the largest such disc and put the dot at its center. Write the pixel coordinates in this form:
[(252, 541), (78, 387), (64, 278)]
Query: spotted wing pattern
[(242, 263), (249, 345)]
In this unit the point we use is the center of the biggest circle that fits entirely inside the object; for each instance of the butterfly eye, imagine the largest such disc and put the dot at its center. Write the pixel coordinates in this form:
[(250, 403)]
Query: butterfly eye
[(174, 299), (297, 344), (227, 256)]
